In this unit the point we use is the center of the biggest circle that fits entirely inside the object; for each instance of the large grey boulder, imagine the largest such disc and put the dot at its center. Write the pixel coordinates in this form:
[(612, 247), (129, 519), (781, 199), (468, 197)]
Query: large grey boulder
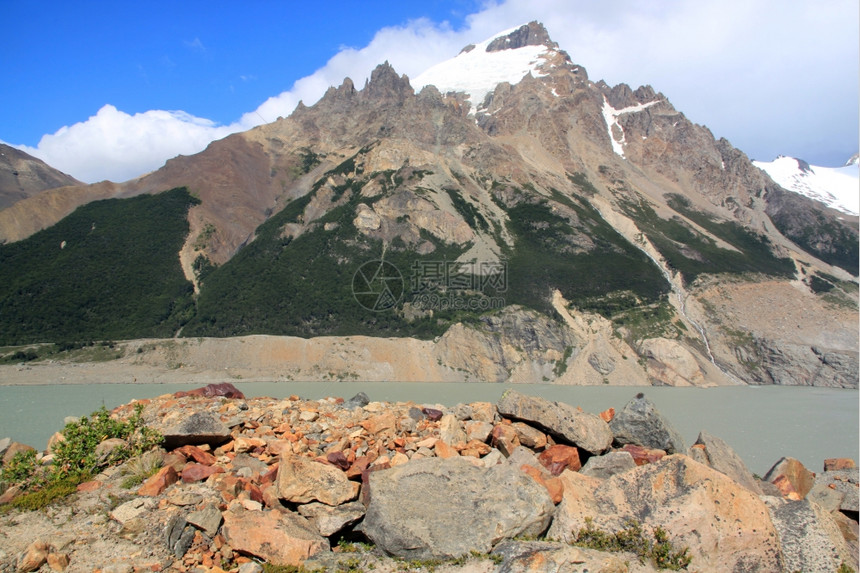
[(572, 425), (640, 423), (839, 484), (720, 456), (438, 508), (198, 428), (810, 538)]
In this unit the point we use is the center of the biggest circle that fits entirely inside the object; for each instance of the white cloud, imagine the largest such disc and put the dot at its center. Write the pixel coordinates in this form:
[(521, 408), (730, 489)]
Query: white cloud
[(773, 76)]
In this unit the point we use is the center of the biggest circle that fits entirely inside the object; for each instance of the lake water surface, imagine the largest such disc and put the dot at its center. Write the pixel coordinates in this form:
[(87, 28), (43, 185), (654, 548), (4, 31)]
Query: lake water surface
[(762, 423)]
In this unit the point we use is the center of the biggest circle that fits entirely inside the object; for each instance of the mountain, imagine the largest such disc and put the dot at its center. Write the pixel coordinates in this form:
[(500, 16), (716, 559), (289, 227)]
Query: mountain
[(836, 187), (22, 175), (523, 221)]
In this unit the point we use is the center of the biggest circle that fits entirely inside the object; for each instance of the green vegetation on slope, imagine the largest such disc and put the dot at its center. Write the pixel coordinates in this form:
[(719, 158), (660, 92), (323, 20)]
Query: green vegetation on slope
[(110, 270), (303, 286), (610, 277), (693, 254)]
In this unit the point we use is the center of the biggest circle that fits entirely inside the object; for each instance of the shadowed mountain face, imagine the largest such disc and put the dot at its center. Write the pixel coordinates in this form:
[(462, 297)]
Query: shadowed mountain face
[(22, 175), (601, 208)]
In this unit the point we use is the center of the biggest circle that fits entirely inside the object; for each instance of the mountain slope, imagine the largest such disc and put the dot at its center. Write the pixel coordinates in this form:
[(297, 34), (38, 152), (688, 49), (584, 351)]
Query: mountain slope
[(545, 228), (22, 176)]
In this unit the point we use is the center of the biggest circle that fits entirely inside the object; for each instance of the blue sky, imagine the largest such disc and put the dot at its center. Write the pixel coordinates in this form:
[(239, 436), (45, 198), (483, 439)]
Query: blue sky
[(113, 89)]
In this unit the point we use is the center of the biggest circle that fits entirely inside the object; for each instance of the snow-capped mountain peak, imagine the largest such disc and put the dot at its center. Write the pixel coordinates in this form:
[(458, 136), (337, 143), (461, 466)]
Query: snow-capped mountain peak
[(836, 187), (479, 68)]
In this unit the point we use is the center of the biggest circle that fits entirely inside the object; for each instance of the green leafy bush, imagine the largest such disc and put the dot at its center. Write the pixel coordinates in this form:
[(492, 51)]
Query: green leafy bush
[(76, 454)]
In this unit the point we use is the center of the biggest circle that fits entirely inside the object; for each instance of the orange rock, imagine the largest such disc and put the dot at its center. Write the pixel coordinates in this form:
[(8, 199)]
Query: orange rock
[(88, 486), (791, 470), (553, 485), (443, 450), (607, 415), (156, 484), (199, 472), (505, 438), (833, 464), (559, 457), (197, 454), (642, 456)]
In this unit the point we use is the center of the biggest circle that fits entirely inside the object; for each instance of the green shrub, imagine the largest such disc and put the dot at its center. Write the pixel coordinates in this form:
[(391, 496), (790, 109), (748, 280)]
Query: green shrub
[(633, 539), (76, 455), (21, 469)]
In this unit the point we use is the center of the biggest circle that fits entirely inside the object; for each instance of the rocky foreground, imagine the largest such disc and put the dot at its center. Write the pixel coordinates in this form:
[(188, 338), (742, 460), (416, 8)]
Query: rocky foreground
[(521, 485)]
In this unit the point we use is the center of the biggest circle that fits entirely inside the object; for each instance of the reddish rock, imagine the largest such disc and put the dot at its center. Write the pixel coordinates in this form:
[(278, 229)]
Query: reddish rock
[(432, 414), (360, 464), (553, 485), (505, 439), (338, 460), (607, 415), (88, 486), (199, 472), (226, 390), (196, 454), (834, 464), (559, 457), (279, 538), (271, 476), (156, 484), (55, 439), (642, 455), (794, 472)]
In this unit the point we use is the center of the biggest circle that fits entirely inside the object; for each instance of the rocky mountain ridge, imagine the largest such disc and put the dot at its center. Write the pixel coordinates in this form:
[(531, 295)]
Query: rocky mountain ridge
[(607, 195), (523, 484)]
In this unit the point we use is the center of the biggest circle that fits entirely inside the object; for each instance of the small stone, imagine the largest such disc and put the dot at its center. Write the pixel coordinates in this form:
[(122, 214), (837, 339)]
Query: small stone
[(443, 450), (208, 520), (642, 455), (34, 556), (58, 561), (607, 415), (833, 464), (505, 439), (155, 485), (559, 457), (197, 454), (198, 472), (302, 480), (530, 437)]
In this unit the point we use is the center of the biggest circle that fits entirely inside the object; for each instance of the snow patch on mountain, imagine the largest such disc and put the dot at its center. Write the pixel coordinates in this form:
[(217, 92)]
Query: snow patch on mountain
[(611, 115), (836, 187), (477, 72)]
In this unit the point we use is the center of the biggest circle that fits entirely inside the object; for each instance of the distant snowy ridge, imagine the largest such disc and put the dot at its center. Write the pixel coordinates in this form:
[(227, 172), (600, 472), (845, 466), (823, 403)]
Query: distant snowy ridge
[(836, 187), (477, 71)]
